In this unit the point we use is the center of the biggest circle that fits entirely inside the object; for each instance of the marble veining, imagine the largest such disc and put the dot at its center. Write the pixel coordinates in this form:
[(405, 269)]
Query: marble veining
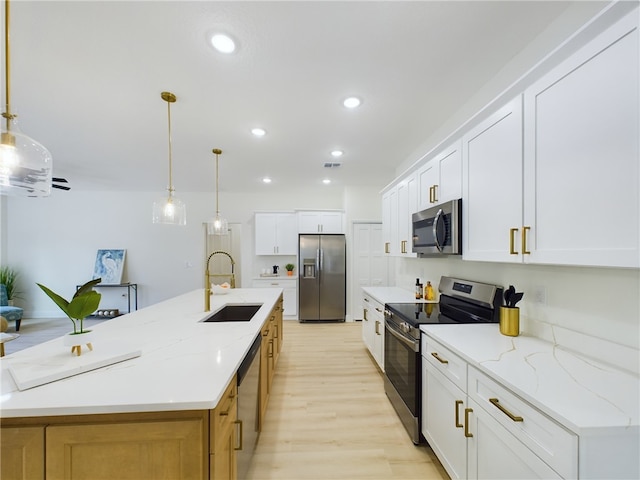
[(582, 393), (185, 364)]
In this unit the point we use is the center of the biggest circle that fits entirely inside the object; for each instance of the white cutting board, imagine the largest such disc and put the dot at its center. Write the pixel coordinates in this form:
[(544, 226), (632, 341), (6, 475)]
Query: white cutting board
[(34, 368)]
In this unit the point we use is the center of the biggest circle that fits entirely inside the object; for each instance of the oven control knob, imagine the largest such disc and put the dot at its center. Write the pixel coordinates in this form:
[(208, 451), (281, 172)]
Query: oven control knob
[(405, 327)]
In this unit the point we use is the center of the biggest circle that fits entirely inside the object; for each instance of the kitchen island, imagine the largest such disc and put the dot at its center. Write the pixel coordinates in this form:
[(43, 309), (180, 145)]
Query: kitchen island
[(162, 411)]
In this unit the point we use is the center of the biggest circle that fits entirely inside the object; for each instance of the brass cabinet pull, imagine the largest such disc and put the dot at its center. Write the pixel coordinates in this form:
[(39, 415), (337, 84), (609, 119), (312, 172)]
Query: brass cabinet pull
[(364, 315), (512, 241), (270, 352), (458, 424), (496, 403), (226, 412), (467, 433), (240, 436), (378, 310), (377, 327), (437, 357), (524, 241), (403, 246), (435, 193), (431, 194), (386, 247)]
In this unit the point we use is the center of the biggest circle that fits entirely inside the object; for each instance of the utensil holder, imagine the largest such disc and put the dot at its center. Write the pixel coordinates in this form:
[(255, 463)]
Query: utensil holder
[(510, 321)]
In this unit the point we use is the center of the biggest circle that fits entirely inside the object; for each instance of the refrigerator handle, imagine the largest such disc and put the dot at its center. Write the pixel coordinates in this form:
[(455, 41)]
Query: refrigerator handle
[(317, 261), (321, 259)]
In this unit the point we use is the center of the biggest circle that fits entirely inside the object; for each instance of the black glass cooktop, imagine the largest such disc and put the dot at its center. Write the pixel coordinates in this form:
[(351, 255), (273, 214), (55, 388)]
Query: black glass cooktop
[(450, 312)]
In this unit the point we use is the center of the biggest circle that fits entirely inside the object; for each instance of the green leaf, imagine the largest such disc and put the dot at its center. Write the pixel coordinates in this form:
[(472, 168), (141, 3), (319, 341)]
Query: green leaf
[(87, 287), (57, 299), (84, 305)]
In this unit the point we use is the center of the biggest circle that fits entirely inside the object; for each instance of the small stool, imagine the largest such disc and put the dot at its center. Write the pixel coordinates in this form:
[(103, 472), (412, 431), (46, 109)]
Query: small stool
[(5, 337)]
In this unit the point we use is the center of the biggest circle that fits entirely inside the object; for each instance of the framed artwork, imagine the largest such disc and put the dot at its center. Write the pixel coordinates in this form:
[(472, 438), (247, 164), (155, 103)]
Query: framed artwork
[(109, 266)]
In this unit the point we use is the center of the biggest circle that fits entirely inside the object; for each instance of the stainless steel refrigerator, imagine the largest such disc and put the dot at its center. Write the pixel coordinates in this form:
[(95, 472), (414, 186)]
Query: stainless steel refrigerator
[(322, 283)]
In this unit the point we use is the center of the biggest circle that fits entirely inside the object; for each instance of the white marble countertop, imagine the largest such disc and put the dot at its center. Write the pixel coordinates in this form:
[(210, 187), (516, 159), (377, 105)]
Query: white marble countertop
[(185, 364), (583, 394), (391, 294)]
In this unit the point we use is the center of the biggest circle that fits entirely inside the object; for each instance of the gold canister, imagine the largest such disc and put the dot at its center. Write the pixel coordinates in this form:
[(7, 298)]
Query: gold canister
[(510, 321)]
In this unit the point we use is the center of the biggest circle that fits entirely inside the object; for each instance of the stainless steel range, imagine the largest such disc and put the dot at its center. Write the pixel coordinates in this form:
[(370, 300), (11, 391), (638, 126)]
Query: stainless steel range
[(461, 301)]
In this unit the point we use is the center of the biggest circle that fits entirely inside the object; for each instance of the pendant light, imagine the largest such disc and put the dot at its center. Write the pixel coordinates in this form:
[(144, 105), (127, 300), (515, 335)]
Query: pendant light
[(219, 225), (169, 210), (25, 164)]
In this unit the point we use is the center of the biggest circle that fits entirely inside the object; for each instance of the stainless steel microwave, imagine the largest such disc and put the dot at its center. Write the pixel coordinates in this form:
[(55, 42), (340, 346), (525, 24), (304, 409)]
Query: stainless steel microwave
[(438, 230)]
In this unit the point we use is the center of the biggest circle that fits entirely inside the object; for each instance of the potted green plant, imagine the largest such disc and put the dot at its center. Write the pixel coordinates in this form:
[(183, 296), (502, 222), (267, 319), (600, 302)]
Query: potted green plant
[(289, 267), (8, 277), (84, 302)]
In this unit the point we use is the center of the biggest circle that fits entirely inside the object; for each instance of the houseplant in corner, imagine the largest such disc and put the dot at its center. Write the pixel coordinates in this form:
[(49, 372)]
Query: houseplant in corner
[(8, 278), (83, 303), (289, 267)]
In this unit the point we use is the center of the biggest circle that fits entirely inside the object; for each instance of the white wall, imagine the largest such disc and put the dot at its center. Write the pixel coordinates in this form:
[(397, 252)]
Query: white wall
[(53, 240)]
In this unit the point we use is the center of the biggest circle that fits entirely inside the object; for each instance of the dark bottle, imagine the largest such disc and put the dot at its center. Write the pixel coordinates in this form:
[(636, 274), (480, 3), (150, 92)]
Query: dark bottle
[(418, 289)]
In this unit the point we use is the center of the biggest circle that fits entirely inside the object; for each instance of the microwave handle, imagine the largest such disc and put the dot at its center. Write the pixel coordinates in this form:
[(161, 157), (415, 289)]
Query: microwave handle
[(436, 222)]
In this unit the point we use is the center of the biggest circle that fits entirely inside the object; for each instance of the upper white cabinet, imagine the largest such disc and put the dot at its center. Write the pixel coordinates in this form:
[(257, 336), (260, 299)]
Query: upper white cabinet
[(320, 222), (492, 187), (440, 180), (398, 204), (581, 155), (554, 177), (276, 234)]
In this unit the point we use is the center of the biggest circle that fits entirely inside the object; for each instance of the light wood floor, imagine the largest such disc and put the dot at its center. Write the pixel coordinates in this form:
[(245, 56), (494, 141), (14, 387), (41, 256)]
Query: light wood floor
[(328, 416)]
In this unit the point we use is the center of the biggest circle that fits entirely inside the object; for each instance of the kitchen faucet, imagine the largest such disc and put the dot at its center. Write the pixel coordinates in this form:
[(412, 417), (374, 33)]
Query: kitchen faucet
[(207, 278)]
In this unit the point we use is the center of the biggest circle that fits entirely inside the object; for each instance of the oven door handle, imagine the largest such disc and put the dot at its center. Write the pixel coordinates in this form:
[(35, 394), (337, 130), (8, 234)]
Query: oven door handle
[(412, 344)]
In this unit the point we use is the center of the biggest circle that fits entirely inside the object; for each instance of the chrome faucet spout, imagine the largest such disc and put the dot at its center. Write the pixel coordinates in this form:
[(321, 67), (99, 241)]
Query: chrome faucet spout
[(207, 278)]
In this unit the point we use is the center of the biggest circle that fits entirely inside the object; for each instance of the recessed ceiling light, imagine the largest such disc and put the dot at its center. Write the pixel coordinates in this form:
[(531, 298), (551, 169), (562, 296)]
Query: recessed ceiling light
[(259, 132), (337, 153), (223, 43), (266, 180), (326, 181), (352, 102)]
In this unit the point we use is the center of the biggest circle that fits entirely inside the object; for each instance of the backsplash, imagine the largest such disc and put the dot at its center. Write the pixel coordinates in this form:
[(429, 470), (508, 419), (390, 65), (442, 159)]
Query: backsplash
[(593, 311)]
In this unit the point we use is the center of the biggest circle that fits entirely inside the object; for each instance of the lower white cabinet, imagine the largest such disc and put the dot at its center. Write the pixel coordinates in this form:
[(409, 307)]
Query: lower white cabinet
[(479, 429), (373, 328), (494, 453), (289, 292)]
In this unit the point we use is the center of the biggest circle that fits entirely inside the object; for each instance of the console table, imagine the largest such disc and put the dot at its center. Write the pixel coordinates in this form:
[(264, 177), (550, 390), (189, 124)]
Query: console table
[(129, 286)]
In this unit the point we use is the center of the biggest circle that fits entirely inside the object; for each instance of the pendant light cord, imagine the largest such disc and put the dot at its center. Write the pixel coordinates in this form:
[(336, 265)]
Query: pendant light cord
[(7, 90), (170, 157), (217, 189)]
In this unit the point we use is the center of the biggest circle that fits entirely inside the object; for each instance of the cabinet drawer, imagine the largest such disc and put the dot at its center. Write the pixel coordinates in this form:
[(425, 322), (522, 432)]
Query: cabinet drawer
[(225, 413), (445, 361), (547, 439), (372, 305)]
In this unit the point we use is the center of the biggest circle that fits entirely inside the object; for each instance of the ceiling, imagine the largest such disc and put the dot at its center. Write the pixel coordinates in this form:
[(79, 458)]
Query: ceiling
[(87, 77)]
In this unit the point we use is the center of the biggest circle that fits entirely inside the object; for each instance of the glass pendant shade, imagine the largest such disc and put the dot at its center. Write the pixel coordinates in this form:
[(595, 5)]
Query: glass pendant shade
[(25, 164), (170, 211), (218, 225)]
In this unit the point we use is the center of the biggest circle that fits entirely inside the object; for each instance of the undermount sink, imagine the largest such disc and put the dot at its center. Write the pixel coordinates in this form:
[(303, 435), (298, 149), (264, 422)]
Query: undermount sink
[(234, 313)]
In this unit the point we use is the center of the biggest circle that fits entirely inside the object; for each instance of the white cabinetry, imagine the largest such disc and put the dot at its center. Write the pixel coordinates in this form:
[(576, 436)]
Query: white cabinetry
[(440, 180), (289, 292), (373, 328), (475, 426), (320, 222), (276, 234), (492, 187), (557, 181), (582, 137), (398, 204)]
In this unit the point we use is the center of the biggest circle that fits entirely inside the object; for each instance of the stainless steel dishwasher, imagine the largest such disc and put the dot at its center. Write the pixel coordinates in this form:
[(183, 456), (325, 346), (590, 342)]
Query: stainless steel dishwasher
[(248, 406)]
